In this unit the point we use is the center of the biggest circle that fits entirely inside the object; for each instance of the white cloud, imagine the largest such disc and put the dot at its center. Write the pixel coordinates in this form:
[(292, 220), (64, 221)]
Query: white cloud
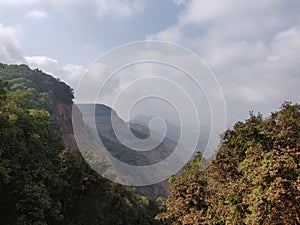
[(254, 48), (273, 59), (181, 2), (9, 45), (103, 8), (250, 95), (69, 73), (171, 34), (118, 8), (74, 69), (41, 61), (286, 44), (72, 74), (36, 14), (62, 4), (54, 3), (19, 2), (287, 33)]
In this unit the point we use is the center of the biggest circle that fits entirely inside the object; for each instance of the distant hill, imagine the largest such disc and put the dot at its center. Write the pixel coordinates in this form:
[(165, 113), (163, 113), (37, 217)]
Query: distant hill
[(174, 131), (103, 117)]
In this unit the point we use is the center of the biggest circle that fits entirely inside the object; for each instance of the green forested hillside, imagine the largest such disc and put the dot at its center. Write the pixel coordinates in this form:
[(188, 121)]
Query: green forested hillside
[(42, 182), (45, 89)]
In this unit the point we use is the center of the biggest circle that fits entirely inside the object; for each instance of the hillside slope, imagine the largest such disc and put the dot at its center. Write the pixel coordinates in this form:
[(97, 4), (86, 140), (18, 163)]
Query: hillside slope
[(41, 182)]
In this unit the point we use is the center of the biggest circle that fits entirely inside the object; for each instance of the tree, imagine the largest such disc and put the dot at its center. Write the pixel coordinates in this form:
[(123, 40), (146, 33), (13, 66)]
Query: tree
[(254, 178), (261, 185), (90, 199), (28, 149), (186, 203)]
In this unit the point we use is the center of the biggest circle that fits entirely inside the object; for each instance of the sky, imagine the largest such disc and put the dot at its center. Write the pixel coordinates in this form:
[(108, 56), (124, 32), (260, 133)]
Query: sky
[(252, 47)]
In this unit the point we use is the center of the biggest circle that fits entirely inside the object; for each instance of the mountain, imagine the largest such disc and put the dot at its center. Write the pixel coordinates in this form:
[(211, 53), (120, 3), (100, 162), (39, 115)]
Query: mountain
[(51, 94), (104, 116), (43, 177), (174, 131)]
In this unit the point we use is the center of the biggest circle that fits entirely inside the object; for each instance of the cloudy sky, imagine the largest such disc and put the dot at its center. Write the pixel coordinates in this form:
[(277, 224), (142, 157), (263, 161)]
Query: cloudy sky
[(253, 47)]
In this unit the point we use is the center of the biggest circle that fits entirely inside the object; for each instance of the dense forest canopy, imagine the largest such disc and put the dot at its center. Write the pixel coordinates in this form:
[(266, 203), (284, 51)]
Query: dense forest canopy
[(253, 180), (45, 89)]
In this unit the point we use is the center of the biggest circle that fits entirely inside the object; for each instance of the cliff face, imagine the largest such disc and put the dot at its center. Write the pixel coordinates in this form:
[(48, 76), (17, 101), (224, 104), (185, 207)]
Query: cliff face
[(63, 116)]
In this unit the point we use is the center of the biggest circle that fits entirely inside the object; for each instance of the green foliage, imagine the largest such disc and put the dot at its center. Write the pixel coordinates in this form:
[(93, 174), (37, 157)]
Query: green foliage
[(2, 91), (123, 153), (45, 89), (41, 182), (186, 203), (28, 162), (90, 199), (253, 180)]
